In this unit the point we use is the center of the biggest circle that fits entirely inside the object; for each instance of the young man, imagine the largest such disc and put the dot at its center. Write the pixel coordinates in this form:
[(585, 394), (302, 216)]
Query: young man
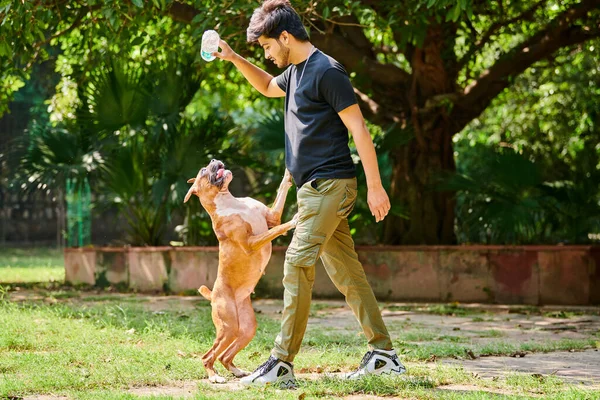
[(320, 108)]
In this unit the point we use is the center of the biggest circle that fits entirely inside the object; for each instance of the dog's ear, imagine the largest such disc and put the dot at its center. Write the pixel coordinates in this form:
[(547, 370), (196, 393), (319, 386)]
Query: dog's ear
[(193, 190), (191, 180)]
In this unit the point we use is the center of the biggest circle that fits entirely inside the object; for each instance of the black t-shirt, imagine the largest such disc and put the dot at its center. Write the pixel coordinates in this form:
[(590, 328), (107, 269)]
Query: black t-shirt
[(316, 143)]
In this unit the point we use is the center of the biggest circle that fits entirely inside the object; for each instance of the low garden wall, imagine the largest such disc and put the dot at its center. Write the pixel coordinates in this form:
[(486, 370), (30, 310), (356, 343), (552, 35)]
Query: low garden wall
[(534, 275)]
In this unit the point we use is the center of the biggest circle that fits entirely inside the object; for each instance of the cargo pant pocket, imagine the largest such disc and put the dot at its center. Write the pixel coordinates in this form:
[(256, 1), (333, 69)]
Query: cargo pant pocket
[(348, 201), (304, 249)]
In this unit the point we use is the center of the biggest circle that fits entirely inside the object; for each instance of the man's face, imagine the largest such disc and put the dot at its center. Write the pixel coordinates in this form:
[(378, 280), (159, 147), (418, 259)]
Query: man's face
[(276, 51)]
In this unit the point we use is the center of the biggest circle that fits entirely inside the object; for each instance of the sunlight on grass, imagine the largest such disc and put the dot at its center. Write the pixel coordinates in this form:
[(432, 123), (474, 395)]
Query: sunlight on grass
[(31, 265), (85, 350), (65, 342)]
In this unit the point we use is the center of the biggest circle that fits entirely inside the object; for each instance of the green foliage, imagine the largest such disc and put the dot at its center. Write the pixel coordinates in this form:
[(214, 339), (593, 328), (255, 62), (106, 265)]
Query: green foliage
[(530, 165), (50, 155), (150, 148), (136, 70), (503, 199)]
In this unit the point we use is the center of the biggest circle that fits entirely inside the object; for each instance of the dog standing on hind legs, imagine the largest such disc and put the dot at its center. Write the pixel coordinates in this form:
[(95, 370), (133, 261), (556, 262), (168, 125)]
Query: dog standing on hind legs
[(245, 228)]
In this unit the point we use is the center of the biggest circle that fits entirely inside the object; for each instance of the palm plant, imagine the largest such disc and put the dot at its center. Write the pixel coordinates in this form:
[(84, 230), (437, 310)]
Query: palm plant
[(504, 199), (150, 147), (51, 156)]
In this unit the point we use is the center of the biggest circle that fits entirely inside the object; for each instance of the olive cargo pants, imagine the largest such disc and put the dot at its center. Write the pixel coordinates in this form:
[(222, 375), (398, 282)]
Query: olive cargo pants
[(323, 231)]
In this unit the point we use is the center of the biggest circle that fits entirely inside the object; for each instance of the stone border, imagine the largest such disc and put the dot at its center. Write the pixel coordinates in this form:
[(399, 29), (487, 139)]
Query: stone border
[(535, 275)]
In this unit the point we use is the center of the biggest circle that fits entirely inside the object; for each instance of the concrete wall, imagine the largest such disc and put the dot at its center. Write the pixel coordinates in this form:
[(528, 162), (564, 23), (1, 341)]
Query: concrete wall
[(488, 274)]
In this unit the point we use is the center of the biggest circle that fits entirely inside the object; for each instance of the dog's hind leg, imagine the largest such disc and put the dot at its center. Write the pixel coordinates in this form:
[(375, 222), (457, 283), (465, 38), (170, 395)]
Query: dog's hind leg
[(224, 314), (247, 330)]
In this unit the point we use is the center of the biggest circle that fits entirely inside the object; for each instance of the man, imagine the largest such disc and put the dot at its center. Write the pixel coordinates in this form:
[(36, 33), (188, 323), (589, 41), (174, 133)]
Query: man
[(320, 108)]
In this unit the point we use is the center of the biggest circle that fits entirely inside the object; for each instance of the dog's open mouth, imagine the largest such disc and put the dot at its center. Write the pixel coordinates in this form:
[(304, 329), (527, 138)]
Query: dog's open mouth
[(217, 174)]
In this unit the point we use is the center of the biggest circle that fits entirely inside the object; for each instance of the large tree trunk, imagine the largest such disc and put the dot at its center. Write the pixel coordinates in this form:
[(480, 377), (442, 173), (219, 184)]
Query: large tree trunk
[(415, 173), (420, 163)]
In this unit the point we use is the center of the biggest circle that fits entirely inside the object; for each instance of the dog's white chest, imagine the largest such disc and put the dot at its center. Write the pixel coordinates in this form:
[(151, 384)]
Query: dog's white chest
[(249, 209)]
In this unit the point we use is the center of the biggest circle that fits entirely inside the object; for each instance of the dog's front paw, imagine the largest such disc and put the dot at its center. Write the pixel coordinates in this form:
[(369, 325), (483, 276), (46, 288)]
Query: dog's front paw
[(217, 379), (286, 182), (294, 220)]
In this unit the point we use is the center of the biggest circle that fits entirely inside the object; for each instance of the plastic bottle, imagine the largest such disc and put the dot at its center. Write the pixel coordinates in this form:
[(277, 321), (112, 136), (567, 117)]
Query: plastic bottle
[(210, 44)]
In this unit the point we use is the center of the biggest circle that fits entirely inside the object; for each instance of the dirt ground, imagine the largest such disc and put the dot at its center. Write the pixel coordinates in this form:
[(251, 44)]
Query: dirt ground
[(475, 324)]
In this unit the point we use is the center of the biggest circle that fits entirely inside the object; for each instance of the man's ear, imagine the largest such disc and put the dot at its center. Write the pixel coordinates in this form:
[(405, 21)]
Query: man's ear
[(285, 37)]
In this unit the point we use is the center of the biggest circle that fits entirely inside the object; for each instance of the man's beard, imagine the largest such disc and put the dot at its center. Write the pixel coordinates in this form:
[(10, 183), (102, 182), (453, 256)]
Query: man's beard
[(284, 55)]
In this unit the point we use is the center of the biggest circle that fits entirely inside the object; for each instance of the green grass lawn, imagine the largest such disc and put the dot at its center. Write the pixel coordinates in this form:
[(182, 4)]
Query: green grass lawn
[(100, 350), (63, 342), (31, 265)]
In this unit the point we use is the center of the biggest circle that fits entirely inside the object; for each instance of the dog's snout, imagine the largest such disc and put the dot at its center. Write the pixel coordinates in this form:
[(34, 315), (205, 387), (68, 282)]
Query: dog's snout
[(216, 164)]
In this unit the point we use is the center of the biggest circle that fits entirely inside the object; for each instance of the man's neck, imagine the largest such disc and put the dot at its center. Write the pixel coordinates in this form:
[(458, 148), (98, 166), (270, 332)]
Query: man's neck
[(301, 53)]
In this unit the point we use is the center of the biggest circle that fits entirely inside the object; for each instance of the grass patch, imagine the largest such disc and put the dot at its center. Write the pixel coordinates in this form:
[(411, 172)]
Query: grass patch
[(562, 314), (100, 345), (482, 319), (84, 350), (450, 309), (316, 307), (31, 265), (490, 333), (58, 348)]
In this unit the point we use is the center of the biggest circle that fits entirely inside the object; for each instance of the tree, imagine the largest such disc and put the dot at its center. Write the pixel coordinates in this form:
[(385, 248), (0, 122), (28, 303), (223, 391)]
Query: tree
[(529, 166), (423, 69)]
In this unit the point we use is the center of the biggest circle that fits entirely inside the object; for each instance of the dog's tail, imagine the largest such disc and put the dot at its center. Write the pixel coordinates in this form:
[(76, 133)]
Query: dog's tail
[(206, 292)]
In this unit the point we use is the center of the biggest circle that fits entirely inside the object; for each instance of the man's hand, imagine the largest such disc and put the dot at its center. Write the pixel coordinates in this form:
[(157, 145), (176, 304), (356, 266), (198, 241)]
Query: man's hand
[(226, 52), (379, 203)]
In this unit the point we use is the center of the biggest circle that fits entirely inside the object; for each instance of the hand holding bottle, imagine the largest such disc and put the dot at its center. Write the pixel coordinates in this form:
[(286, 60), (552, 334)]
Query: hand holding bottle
[(226, 52)]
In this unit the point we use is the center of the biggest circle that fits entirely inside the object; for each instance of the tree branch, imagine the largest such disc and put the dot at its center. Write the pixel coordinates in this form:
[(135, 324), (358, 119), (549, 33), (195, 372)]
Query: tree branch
[(560, 32), (182, 12), (375, 112), (358, 59), (526, 15), (349, 48)]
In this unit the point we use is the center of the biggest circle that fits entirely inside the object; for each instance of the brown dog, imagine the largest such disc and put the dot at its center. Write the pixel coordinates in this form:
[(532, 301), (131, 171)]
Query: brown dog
[(245, 228)]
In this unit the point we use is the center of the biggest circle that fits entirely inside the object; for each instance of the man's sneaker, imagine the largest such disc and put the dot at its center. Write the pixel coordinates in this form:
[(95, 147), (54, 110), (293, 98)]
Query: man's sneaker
[(377, 362), (273, 371)]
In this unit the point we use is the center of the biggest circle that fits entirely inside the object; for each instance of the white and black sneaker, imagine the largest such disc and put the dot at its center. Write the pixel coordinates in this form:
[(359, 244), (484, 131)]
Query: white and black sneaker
[(273, 371), (378, 362)]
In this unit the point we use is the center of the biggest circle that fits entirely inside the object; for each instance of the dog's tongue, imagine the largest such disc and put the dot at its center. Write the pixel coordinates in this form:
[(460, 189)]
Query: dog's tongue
[(220, 172)]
